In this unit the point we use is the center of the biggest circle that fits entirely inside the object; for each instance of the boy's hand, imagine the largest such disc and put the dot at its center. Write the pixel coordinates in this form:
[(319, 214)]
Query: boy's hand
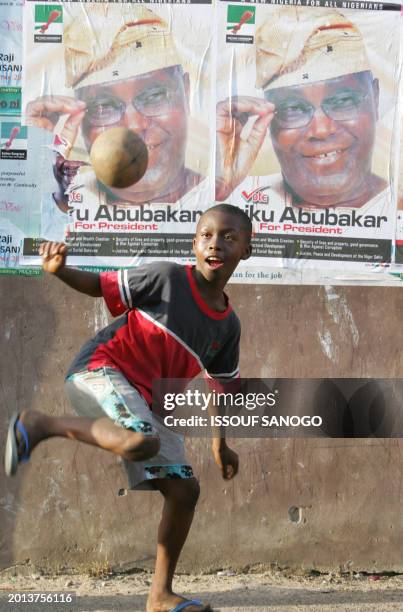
[(53, 256), (226, 459)]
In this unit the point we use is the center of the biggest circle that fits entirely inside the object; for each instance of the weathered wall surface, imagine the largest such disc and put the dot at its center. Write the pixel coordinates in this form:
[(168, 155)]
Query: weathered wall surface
[(63, 508)]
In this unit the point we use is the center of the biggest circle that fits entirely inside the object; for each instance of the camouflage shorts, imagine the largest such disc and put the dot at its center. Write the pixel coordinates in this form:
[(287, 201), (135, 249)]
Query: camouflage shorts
[(106, 392)]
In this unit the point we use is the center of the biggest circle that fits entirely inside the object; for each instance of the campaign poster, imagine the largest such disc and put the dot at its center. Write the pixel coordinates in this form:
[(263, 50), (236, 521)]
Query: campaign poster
[(18, 166), (307, 108), (144, 66)]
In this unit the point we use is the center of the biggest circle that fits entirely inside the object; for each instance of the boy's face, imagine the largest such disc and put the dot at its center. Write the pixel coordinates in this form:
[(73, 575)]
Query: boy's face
[(220, 243)]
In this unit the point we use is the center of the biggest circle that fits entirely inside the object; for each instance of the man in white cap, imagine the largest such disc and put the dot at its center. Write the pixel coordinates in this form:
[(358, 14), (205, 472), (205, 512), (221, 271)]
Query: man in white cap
[(321, 103), (122, 63)]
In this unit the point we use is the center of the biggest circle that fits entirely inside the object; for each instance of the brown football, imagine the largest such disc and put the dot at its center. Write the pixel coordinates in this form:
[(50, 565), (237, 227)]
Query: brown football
[(119, 157)]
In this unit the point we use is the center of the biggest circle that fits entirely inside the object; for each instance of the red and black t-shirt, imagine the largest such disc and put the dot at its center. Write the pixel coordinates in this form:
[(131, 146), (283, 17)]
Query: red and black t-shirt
[(167, 330)]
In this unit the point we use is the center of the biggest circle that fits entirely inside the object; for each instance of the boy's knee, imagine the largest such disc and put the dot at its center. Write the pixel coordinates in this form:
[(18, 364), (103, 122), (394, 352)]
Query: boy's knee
[(139, 447), (185, 493)]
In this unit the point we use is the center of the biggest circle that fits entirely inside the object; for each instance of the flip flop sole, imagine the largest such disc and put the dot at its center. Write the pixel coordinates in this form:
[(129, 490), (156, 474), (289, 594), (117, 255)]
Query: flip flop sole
[(11, 451)]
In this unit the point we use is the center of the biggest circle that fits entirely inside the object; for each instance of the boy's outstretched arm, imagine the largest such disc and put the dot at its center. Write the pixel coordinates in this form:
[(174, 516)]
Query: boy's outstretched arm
[(54, 256)]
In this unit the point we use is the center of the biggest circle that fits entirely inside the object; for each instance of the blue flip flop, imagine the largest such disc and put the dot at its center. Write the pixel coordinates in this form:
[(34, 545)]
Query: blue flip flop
[(186, 604), (11, 458)]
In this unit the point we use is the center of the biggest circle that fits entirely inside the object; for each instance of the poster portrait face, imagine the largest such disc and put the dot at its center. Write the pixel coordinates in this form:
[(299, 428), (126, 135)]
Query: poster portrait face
[(307, 116), (314, 67), (129, 74), (323, 135), (155, 106)]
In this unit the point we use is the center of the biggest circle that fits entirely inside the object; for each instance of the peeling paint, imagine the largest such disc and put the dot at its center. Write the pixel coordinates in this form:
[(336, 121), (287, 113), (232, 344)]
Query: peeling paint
[(331, 293), (327, 345), (53, 499), (100, 315), (354, 330), (7, 503), (266, 371), (341, 314)]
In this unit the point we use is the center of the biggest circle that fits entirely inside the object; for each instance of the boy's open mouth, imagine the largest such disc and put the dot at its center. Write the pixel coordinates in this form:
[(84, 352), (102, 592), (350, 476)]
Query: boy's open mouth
[(214, 262)]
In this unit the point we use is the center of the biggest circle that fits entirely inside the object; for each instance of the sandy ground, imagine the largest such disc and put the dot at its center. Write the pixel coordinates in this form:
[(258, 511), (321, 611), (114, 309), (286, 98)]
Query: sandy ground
[(226, 591)]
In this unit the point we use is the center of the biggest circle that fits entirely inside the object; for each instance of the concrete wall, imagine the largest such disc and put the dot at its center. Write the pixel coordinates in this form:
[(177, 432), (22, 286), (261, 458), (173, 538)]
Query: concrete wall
[(63, 508)]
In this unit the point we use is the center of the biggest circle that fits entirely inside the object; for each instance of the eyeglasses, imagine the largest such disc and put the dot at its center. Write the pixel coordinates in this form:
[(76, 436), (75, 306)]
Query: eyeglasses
[(107, 110), (295, 113)]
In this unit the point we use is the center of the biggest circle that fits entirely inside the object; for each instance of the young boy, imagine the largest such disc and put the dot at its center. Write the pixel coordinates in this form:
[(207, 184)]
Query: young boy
[(176, 321)]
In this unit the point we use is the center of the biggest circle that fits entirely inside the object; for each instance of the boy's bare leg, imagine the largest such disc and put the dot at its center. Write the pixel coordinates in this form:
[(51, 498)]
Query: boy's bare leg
[(180, 501), (97, 432)]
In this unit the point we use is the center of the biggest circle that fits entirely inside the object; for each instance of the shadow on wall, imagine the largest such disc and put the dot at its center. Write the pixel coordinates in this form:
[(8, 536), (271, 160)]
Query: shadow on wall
[(349, 408)]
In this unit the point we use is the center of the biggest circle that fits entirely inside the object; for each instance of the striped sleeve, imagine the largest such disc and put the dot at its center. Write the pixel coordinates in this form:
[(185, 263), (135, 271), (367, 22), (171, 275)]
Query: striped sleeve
[(111, 287), (129, 288)]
